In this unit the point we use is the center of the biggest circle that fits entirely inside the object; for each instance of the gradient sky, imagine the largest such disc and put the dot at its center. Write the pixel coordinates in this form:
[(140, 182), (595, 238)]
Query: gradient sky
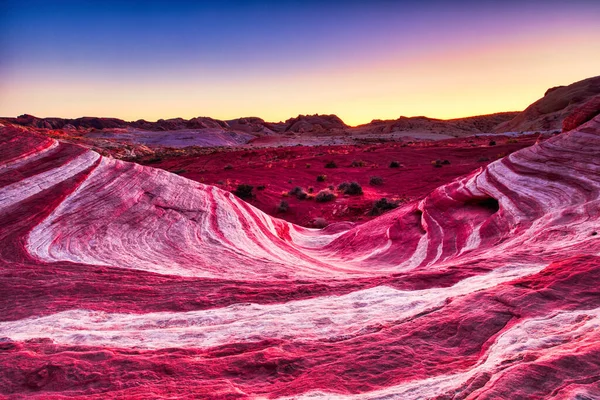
[(361, 60)]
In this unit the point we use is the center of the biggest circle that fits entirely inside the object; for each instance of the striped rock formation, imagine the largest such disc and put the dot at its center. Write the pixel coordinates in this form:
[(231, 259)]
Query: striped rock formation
[(123, 281)]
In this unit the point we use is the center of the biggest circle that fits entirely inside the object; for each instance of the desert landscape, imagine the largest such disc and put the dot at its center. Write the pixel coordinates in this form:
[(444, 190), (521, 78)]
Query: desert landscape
[(316, 256)]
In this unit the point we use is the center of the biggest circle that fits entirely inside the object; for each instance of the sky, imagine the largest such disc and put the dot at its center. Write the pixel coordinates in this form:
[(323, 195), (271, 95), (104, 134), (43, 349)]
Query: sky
[(360, 60)]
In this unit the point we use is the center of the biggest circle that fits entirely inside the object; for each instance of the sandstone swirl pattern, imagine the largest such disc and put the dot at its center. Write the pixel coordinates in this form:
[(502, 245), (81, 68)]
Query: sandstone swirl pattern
[(125, 281)]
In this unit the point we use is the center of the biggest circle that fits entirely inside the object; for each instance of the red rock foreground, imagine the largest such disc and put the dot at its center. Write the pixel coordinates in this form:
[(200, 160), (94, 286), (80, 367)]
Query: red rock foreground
[(123, 281)]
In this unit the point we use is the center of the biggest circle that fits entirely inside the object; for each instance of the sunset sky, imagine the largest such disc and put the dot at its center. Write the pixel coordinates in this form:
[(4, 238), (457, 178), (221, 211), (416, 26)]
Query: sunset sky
[(361, 60)]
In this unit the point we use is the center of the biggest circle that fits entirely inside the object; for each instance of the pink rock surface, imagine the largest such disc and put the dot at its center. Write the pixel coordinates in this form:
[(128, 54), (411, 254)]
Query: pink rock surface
[(123, 281)]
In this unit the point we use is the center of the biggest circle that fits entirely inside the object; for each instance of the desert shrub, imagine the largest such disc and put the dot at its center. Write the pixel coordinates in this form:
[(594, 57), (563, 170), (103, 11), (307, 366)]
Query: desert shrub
[(154, 160), (260, 187), (298, 192), (357, 164), (445, 162), (243, 191), (301, 195), (394, 164), (180, 171), (307, 165), (324, 196), (283, 206), (350, 188), (492, 143), (382, 205), (311, 189), (331, 187), (512, 141), (319, 223), (295, 190), (331, 164), (437, 163), (228, 166), (321, 178), (375, 181), (483, 159), (343, 186)]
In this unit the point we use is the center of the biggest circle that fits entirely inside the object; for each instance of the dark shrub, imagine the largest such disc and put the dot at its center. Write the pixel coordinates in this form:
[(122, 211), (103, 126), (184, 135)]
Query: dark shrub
[(311, 189), (394, 164), (295, 191), (343, 186), (180, 171), (298, 192), (376, 181), (319, 223), (154, 160), (228, 166), (445, 162), (260, 187), (492, 143), (243, 191), (283, 206), (331, 164), (437, 163), (357, 164), (331, 187), (482, 159), (324, 196), (352, 188), (321, 178), (382, 205)]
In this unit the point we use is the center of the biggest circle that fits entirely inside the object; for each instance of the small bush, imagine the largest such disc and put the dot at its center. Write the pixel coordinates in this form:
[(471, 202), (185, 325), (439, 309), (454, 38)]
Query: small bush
[(512, 141), (331, 187), (283, 206), (298, 192), (260, 187), (319, 223), (394, 164), (154, 160), (343, 186), (307, 165), (437, 163), (352, 188), (382, 205), (243, 191), (311, 189), (375, 181), (331, 164), (321, 178), (492, 143), (180, 171), (357, 164), (445, 162), (295, 191), (483, 159), (324, 196)]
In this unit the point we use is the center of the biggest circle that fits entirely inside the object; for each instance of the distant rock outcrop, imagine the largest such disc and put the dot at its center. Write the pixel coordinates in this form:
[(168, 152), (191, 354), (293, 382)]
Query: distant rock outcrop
[(582, 114), (452, 127), (549, 112), (314, 123)]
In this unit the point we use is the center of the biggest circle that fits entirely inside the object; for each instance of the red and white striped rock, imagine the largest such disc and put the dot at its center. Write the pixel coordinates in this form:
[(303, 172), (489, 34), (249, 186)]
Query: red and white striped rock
[(119, 280)]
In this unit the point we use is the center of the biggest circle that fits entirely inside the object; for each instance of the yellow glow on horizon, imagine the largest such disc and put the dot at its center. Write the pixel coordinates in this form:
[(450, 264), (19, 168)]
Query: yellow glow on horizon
[(507, 77)]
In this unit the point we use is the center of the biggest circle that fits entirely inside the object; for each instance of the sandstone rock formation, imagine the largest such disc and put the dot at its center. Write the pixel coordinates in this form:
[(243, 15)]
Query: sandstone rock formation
[(119, 280), (558, 103)]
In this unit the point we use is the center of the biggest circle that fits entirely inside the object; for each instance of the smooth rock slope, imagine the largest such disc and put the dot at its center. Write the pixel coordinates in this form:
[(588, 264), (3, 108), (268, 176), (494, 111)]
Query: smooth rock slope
[(121, 281)]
